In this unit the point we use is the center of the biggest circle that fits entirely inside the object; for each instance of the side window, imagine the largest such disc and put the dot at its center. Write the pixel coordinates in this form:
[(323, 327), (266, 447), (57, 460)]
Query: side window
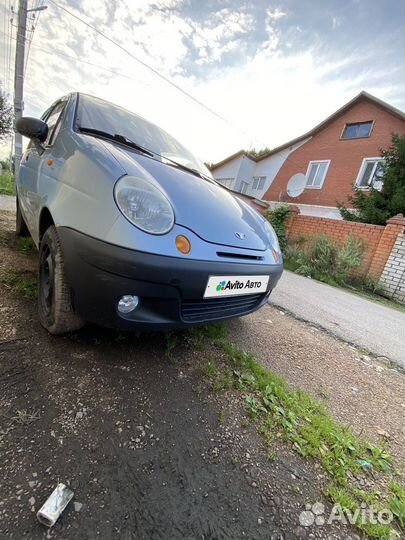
[(316, 173), (53, 122)]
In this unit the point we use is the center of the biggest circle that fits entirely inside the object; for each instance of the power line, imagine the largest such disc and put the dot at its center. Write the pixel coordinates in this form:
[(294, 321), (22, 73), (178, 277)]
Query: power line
[(77, 59), (140, 61), (63, 55), (35, 20)]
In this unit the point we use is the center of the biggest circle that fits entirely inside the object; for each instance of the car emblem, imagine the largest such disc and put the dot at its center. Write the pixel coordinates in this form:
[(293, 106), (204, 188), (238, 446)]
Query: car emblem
[(240, 235)]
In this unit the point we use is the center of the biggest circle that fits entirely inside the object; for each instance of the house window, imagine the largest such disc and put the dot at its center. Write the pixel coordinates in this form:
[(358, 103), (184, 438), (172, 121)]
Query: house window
[(244, 187), (226, 182), (258, 182), (357, 131), (370, 174), (316, 173)]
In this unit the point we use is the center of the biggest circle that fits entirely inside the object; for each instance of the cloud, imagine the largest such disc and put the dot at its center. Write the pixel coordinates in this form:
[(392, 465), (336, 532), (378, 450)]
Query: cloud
[(274, 14), (274, 70)]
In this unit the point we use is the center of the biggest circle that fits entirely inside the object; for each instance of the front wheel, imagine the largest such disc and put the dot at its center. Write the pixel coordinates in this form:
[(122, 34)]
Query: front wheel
[(55, 309)]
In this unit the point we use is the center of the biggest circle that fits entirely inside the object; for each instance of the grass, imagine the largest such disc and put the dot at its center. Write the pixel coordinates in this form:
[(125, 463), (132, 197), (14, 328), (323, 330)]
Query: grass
[(25, 245), (352, 510), (171, 342), (397, 502), (300, 419), (22, 416), (25, 417), (281, 412), (24, 283), (7, 186)]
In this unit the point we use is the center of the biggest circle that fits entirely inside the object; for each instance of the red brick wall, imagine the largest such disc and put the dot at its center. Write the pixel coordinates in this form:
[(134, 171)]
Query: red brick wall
[(346, 155), (307, 227), (378, 240)]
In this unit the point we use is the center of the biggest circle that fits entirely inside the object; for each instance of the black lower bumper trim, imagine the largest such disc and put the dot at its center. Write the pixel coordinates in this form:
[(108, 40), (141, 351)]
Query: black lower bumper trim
[(171, 289), (217, 308)]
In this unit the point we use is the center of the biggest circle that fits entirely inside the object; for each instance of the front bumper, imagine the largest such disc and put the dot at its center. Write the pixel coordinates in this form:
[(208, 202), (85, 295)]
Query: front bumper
[(171, 289)]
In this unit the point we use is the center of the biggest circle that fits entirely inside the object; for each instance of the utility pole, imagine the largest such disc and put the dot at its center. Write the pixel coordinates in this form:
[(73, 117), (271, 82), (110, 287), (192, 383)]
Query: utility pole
[(19, 75), (19, 79)]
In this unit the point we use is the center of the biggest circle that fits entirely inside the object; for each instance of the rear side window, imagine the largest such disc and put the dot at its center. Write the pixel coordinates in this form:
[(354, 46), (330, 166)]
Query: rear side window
[(53, 122)]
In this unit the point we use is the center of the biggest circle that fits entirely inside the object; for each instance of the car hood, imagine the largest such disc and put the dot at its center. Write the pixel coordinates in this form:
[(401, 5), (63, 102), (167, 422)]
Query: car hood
[(204, 207)]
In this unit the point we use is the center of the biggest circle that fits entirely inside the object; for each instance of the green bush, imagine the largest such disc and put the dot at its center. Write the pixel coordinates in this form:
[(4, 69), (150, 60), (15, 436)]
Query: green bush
[(7, 186), (376, 206), (278, 219), (350, 255), (324, 259)]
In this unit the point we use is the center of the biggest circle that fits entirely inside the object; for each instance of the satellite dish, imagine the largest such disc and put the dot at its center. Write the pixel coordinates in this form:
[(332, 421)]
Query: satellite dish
[(296, 185)]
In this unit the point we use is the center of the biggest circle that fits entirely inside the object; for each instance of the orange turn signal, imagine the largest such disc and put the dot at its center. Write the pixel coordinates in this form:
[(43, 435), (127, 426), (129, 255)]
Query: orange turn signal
[(276, 255), (50, 162), (183, 244)]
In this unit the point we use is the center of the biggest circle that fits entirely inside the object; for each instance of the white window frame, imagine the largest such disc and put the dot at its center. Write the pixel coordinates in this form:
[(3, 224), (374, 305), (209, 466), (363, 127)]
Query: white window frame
[(227, 182), (258, 179), (316, 162), (242, 184), (363, 166)]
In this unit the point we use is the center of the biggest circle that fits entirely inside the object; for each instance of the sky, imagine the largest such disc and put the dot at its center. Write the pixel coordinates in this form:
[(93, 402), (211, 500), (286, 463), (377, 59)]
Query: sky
[(271, 70)]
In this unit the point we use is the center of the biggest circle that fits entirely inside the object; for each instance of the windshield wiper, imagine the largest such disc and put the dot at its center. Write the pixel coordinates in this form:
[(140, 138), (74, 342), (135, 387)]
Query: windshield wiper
[(187, 169), (123, 140), (116, 137)]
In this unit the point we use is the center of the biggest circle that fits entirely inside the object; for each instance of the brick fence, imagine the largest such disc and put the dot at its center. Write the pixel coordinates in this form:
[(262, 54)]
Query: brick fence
[(378, 240), (393, 276)]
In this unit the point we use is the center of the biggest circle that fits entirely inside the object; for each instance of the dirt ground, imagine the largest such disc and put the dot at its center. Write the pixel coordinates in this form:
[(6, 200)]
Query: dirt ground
[(149, 451)]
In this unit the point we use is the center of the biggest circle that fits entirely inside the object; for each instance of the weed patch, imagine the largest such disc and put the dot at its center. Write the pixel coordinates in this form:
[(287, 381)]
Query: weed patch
[(26, 245), (292, 415), (7, 186), (24, 283), (397, 502)]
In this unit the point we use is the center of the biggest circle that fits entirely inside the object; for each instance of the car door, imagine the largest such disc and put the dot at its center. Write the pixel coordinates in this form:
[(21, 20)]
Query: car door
[(34, 163)]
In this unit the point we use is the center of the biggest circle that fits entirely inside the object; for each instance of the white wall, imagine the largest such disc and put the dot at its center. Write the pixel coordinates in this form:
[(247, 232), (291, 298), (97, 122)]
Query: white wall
[(246, 171), (330, 212), (270, 166), (243, 168), (228, 170)]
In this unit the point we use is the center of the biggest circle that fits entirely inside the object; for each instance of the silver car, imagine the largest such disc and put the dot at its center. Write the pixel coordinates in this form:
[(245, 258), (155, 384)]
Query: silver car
[(132, 229)]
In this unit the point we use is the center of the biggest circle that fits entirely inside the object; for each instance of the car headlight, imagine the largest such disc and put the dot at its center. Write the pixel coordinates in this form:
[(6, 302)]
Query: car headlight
[(144, 205), (272, 236)]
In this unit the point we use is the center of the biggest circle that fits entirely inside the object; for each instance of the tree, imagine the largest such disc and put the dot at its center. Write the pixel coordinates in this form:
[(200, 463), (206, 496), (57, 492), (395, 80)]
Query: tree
[(6, 117), (377, 206), (258, 153)]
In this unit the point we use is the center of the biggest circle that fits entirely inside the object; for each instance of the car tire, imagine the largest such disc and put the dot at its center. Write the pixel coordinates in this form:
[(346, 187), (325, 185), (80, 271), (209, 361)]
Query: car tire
[(55, 308), (21, 228)]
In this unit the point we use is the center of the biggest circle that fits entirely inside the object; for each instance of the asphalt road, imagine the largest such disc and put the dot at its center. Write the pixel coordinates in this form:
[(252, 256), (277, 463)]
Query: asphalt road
[(7, 202), (376, 327)]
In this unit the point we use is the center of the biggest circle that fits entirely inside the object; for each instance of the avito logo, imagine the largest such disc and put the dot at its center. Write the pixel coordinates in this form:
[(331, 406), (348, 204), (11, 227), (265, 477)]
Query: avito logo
[(232, 285)]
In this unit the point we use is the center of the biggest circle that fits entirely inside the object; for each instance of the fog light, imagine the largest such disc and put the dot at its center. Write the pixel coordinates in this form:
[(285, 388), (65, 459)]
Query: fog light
[(128, 303), (183, 244)]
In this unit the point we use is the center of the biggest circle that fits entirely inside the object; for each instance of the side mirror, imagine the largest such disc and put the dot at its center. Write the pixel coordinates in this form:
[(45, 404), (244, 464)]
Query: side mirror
[(33, 128)]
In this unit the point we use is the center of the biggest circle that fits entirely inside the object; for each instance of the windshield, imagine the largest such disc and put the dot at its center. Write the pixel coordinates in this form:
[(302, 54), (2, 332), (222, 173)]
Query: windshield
[(94, 113)]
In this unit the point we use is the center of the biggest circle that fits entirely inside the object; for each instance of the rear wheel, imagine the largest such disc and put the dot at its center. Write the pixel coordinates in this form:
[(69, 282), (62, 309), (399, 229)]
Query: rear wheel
[(21, 228), (55, 309)]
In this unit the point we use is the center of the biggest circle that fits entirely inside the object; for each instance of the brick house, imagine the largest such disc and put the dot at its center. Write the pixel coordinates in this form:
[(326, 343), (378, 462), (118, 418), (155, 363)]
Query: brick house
[(341, 152)]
